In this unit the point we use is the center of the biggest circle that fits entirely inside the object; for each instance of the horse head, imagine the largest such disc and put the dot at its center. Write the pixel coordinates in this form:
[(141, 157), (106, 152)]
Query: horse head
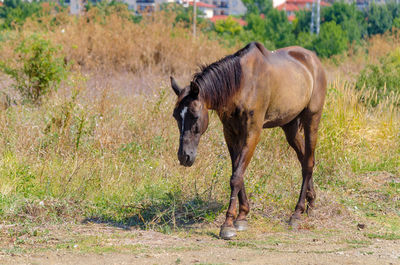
[(191, 114)]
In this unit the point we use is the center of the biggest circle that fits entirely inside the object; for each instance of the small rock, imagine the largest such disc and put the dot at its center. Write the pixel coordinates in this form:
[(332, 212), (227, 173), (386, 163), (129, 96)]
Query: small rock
[(360, 226)]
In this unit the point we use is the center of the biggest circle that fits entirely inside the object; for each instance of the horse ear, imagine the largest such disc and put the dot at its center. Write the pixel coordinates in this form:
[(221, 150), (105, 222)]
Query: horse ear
[(194, 89), (175, 86)]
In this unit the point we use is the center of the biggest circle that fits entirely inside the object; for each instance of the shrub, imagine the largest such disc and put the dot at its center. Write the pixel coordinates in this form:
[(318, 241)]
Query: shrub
[(36, 68), (348, 17), (331, 40), (15, 12), (381, 79), (379, 19), (228, 26)]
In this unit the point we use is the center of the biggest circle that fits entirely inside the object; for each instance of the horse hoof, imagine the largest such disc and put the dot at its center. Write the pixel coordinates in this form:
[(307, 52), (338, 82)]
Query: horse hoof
[(227, 232), (241, 225), (294, 222)]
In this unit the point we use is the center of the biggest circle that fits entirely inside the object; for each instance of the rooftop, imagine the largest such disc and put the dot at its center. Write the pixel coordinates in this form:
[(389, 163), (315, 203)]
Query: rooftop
[(202, 4)]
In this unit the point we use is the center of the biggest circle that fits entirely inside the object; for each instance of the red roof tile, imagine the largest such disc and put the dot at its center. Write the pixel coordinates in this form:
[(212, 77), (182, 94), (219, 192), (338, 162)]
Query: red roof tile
[(288, 7), (304, 2), (202, 4)]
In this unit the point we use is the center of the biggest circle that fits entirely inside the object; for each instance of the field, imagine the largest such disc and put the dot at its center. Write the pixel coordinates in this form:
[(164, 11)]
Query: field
[(91, 172)]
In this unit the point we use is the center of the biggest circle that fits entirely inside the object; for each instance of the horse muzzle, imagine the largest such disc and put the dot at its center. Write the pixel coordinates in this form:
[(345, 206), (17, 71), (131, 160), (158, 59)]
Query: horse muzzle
[(186, 160)]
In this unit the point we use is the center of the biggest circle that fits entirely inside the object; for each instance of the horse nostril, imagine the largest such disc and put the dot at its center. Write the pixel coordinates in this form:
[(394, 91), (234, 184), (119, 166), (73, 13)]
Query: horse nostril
[(187, 158)]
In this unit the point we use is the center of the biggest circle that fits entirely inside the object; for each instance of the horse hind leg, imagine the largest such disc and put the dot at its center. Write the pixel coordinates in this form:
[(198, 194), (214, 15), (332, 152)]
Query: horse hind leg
[(310, 122), (294, 138)]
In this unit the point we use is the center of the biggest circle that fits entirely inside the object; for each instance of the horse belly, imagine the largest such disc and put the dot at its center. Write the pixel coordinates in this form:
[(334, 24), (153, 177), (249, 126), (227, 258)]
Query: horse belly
[(287, 101)]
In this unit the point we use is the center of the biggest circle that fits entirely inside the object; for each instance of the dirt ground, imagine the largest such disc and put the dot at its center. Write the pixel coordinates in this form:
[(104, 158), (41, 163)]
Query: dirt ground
[(103, 244)]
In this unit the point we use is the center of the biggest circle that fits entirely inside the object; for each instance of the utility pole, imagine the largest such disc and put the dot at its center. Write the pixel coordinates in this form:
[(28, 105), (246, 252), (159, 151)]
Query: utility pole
[(194, 18), (315, 17), (312, 18), (318, 15), (75, 7)]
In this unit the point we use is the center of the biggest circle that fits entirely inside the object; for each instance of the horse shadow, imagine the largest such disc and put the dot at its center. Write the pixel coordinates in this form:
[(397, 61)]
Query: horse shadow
[(162, 215)]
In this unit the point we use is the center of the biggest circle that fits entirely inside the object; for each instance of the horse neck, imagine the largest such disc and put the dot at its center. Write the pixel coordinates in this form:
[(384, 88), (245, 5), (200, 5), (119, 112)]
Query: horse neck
[(214, 102)]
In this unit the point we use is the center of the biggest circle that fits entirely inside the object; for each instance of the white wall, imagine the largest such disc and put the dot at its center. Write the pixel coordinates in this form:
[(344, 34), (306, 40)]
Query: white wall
[(276, 3), (208, 12)]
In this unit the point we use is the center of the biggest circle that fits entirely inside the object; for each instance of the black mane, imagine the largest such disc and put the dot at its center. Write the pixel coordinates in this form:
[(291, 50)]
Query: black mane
[(220, 80)]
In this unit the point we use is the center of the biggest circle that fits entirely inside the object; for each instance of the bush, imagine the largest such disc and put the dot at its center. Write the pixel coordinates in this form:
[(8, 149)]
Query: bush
[(382, 80), (348, 17), (331, 40), (15, 12), (37, 69), (228, 26), (379, 19)]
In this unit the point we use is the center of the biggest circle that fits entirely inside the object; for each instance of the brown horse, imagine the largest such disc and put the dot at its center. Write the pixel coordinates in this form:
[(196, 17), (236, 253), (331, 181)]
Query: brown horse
[(251, 90)]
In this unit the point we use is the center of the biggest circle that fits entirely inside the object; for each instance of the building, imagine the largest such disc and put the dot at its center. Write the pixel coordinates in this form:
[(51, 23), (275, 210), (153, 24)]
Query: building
[(205, 8), (210, 8), (291, 6), (227, 7)]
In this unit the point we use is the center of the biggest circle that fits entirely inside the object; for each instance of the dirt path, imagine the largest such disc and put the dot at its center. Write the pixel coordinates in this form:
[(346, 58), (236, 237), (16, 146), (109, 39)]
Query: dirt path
[(101, 244)]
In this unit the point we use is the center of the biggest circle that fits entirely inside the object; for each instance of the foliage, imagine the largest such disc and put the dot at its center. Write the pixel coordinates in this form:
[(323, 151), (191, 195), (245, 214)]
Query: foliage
[(273, 29), (396, 23), (278, 29), (184, 15), (348, 17), (331, 40), (302, 21), (103, 9), (15, 12), (228, 26), (379, 19), (228, 31), (37, 69), (381, 79), (306, 40), (258, 6)]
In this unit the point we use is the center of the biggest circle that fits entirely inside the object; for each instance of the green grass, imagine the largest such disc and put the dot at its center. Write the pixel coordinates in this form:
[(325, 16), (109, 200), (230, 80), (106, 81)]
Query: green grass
[(125, 170), (386, 236)]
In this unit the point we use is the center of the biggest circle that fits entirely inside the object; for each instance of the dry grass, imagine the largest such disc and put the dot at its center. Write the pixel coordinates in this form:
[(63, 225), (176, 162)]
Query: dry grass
[(106, 142), (114, 43)]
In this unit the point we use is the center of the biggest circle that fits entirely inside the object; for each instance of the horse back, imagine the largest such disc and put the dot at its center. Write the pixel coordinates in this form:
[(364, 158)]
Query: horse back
[(282, 83), (310, 60)]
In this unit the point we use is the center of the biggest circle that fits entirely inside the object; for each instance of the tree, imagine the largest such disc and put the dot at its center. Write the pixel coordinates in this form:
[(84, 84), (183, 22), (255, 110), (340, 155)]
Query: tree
[(258, 6), (272, 29), (379, 19), (348, 17), (228, 26), (278, 28), (15, 12), (331, 40), (302, 21), (183, 14)]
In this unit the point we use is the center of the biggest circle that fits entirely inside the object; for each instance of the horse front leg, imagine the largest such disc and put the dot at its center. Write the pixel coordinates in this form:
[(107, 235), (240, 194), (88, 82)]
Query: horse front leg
[(241, 151)]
